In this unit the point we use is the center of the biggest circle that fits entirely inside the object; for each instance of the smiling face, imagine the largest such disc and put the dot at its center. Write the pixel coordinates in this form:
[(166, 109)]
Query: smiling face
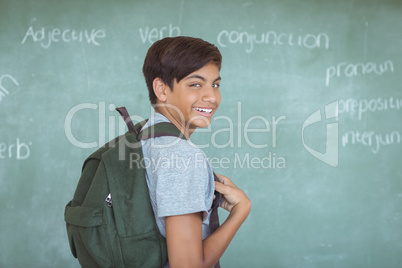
[(193, 100)]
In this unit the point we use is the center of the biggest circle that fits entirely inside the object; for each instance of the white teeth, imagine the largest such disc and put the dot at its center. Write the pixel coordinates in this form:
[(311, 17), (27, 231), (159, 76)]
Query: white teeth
[(203, 110)]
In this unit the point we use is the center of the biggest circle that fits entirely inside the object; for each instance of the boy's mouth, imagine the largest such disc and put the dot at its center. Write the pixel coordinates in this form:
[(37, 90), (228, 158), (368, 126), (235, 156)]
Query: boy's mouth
[(204, 111)]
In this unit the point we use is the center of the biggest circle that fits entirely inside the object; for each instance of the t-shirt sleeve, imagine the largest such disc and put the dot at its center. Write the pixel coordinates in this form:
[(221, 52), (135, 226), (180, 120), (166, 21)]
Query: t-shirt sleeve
[(182, 179)]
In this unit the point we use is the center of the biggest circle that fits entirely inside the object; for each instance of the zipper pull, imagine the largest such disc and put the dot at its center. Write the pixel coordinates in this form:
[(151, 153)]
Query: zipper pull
[(109, 200)]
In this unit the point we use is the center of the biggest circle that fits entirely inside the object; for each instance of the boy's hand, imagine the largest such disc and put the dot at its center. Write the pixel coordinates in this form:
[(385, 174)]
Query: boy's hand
[(232, 195)]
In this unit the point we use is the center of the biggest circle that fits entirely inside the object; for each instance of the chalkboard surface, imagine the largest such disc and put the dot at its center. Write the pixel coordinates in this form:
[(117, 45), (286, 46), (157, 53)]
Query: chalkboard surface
[(309, 126)]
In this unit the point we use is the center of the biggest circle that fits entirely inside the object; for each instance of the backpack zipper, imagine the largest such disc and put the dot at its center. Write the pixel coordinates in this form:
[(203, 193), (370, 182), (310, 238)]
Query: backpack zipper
[(109, 200)]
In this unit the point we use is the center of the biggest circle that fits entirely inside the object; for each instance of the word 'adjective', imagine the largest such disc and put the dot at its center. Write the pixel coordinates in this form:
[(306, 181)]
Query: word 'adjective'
[(18, 150), (155, 34), (55, 35)]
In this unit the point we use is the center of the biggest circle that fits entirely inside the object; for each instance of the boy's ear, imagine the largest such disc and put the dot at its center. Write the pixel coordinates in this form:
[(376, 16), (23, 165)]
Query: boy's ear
[(160, 89)]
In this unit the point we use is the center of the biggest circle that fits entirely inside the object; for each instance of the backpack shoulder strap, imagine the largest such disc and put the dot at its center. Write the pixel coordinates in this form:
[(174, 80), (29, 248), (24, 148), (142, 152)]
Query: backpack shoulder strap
[(154, 131), (123, 112), (159, 130)]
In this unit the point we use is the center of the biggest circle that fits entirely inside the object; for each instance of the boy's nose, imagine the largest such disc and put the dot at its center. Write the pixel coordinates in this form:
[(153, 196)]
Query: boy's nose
[(210, 95)]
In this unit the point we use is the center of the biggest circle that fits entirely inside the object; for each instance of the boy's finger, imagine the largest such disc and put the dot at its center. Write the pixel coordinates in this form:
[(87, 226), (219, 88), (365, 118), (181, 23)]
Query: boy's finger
[(220, 187), (219, 176), (223, 179)]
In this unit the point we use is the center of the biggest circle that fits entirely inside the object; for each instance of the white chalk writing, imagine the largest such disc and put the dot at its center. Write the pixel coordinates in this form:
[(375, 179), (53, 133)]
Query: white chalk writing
[(18, 150), (155, 34), (309, 41), (357, 69), (362, 106), (371, 139), (3, 88), (54, 35)]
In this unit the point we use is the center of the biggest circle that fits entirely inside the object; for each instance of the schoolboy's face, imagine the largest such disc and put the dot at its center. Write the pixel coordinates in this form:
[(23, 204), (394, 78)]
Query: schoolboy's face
[(194, 99)]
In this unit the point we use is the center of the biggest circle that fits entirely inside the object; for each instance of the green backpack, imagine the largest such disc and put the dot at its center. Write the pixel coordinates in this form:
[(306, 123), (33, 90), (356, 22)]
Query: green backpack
[(110, 221)]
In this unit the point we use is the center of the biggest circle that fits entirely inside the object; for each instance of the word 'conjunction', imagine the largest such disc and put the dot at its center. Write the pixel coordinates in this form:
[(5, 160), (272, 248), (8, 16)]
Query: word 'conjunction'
[(309, 41)]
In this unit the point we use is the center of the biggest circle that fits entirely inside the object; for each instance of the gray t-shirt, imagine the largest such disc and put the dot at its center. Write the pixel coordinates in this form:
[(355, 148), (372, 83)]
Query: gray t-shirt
[(179, 177)]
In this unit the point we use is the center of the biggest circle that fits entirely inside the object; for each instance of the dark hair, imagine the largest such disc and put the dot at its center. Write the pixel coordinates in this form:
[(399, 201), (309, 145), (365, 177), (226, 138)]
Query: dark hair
[(175, 58)]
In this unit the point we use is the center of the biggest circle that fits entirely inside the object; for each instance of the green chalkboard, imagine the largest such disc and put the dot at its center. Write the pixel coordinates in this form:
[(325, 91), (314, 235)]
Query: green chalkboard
[(310, 123)]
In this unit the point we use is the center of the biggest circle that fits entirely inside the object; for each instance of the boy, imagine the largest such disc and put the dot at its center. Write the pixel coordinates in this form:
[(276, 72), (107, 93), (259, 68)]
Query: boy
[(182, 76)]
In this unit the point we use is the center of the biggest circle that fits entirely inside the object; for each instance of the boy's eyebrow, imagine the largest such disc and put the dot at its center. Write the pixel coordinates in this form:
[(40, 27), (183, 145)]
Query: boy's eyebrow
[(202, 78)]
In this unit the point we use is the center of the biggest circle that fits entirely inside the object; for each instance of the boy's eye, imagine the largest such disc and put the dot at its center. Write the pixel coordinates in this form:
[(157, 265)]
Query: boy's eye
[(215, 85), (197, 85)]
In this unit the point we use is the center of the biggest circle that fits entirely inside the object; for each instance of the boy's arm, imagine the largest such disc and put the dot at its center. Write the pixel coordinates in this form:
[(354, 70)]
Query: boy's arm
[(184, 232)]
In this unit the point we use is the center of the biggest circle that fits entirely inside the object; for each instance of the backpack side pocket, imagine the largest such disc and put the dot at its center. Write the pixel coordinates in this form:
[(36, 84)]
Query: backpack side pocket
[(87, 236)]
